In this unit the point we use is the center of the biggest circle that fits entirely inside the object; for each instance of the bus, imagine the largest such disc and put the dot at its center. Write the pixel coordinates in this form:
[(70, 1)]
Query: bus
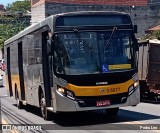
[(75, 61)]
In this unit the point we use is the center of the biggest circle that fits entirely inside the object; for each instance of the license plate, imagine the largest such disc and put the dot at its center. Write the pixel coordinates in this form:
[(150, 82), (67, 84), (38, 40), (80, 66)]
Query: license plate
[(103, 103)]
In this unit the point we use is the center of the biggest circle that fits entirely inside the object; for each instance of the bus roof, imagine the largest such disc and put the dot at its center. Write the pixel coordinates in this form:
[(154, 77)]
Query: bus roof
[(28, 30), (48, 21)]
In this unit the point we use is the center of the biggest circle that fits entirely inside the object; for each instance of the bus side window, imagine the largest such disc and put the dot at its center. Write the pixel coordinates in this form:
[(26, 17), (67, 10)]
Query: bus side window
[(58, 62)]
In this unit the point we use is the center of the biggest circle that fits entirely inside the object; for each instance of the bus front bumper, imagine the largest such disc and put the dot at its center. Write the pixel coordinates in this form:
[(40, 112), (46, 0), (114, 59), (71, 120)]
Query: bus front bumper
[(64, 104)]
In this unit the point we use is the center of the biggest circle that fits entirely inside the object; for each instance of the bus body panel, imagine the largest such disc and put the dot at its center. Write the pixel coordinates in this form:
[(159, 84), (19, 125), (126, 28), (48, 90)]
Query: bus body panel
[(71, 106), (41, 78), (95, 90)]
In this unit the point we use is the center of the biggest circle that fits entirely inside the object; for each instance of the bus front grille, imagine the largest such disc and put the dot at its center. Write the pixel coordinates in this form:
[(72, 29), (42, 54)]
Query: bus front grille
[(90, 101)]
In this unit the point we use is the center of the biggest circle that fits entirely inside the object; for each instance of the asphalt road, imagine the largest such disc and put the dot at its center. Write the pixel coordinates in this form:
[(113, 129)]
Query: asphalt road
[(143, 116)]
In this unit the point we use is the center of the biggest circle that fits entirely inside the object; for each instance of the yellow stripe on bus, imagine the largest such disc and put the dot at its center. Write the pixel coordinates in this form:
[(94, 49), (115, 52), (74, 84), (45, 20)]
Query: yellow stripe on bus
[(120, 66), (15, 80), (100, 90)]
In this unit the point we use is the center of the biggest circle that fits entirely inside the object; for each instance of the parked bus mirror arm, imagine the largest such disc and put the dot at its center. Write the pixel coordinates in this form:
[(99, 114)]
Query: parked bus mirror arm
[(135, 28), (136, 45)]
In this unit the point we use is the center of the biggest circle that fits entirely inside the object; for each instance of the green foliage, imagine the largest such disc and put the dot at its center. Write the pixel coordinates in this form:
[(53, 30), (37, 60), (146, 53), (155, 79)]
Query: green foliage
[(22, 6), (152, 35), (157, 34), (10, 28)]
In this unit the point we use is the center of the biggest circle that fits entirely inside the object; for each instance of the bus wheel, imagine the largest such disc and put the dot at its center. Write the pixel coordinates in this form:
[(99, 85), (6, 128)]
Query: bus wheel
[(18, 102), (44, 111), (112, 112)]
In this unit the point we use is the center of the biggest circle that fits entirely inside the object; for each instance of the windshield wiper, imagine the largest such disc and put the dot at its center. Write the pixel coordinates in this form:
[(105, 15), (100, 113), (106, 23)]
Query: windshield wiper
[(88, 46), (79, 35), (113, 31)]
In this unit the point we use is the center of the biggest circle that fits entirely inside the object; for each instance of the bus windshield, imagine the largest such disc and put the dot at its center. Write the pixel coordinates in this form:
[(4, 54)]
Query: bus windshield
[(91, 52)]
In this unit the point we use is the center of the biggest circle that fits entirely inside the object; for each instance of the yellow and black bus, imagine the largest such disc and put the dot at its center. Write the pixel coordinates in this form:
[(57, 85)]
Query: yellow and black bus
[(75, 61)]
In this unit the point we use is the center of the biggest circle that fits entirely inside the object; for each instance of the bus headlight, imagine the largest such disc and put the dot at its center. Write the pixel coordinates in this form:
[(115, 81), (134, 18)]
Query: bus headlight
[(70, 95), (131, 90), (136, 84), (133, 87), (66, 92), (61, 90)]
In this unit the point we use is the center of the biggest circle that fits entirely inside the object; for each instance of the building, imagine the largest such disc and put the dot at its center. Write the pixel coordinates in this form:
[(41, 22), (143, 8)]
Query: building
[(144, 13), (1, 7), (156, 28), (44, 8)]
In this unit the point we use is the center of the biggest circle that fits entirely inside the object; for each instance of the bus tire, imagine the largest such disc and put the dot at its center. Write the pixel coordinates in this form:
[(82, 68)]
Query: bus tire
[(45, 113), (112, 112), (18, 102)]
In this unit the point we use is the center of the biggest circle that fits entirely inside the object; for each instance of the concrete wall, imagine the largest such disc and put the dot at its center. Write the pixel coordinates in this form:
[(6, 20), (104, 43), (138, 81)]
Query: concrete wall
[(95, 2), (38, 13), (144, 16)]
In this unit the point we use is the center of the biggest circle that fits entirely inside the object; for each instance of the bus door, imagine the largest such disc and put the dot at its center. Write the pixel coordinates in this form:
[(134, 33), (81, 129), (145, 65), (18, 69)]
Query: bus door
[(47, 68), (9, 72), (20, 67)]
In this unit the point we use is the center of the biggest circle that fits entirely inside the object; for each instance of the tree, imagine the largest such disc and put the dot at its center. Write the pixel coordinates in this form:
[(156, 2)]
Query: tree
[(10, 26), (22, 6), (152, 35)]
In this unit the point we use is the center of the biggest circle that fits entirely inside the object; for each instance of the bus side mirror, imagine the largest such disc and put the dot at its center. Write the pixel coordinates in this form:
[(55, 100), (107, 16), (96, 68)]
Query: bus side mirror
[(50, 46), (136, 45), (135, 28)]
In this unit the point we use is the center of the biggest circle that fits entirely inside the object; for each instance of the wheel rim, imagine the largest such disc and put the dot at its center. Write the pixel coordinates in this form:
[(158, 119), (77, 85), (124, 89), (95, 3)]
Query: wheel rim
[(43, 108)]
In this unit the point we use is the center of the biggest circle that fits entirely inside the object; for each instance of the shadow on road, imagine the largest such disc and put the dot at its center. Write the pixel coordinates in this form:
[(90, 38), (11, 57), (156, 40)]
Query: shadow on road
[(92, 117), (31, 109), (99, 117)]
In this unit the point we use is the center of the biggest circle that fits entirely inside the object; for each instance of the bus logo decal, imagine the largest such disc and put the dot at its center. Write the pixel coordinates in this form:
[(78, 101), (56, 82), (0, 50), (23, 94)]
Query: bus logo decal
[(101, 83), (102, 90)]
